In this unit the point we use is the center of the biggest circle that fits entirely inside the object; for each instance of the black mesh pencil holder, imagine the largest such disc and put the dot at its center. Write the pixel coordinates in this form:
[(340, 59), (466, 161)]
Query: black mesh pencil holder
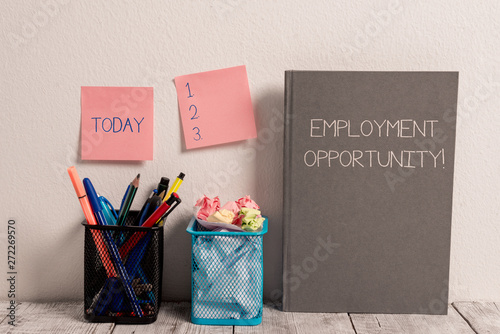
[(123, 273)]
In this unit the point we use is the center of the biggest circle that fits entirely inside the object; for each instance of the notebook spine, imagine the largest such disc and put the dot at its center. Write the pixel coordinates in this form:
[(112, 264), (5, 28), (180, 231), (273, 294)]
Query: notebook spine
[(287, 184)]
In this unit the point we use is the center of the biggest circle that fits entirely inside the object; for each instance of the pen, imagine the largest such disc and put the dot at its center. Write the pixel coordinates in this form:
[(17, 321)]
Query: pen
[(89, 215), (142, 275), (161, 221), (128, 200), (154, 203), (105, 296), (96, 206), (175, 186), (156, 216), (163, 185), (145, 211), (141, 216), (95, 203), (108, 210), (133, 262), (125, 249)]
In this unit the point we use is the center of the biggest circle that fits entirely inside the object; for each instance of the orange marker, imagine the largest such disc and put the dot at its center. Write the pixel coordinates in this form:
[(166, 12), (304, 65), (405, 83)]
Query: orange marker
[(89, 215)]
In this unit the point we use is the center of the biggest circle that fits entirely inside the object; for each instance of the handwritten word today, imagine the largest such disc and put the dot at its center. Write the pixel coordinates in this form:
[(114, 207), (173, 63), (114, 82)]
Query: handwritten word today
[(116, 124)]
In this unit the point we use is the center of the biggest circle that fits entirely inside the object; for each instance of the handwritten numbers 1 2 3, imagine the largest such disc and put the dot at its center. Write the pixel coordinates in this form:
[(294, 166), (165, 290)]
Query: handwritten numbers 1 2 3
[(195, 116)]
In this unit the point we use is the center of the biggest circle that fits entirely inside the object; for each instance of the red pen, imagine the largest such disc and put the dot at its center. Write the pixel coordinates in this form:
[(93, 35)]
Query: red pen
[(155, 216)]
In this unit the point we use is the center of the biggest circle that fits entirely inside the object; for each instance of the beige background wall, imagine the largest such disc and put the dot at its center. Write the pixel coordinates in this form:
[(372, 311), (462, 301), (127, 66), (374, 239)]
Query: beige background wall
[(49, 49)]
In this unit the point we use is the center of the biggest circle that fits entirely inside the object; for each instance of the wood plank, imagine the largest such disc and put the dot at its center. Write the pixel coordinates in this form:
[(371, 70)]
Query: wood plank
[(411, 323), (276, 321), (173, 318), (3, 310), (53, 318), (482, 317), (322, 323), (273, 321)]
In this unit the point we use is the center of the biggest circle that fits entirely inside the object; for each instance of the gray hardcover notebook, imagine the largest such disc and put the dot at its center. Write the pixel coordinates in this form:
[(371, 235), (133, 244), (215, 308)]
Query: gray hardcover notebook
[(368, 183)]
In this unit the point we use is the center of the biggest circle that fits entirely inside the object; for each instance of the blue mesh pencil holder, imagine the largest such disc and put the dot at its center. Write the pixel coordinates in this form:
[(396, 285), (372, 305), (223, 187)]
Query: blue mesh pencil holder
[(227, 274)]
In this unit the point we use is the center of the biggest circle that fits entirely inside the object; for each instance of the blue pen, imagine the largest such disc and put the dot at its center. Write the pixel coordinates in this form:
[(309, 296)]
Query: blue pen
[(143, 277), (113, 250), (133, 263), (108, 210), (94, 202), (142, 217), (154, 203), (105, 296), (139, 218)]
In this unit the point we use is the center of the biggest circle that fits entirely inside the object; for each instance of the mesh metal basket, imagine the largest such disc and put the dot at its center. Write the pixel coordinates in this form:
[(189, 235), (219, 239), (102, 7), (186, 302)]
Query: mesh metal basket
[(226, 276), (123, 272)]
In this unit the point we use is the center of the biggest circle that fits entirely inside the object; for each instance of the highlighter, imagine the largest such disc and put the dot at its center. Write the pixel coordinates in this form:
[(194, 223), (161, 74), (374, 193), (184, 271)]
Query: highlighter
[(89, 215), (175, 186), (82, 196)]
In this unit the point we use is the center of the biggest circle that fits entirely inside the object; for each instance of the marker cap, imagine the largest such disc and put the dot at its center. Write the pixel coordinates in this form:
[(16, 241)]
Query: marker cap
[(75, 179)]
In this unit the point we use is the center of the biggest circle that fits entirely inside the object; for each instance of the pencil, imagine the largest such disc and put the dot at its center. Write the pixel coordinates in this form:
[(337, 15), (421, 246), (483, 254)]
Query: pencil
[(128, 200)]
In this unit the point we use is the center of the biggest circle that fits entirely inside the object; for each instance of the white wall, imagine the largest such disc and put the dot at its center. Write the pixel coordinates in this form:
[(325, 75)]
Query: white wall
[(133, 43)]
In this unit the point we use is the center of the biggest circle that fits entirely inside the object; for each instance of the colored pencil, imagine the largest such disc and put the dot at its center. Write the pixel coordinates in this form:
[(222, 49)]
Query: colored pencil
[(128, 201)]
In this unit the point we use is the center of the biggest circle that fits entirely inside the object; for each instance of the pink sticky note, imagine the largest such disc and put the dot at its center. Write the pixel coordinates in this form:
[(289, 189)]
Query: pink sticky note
[(215, 107), (117, 123)]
